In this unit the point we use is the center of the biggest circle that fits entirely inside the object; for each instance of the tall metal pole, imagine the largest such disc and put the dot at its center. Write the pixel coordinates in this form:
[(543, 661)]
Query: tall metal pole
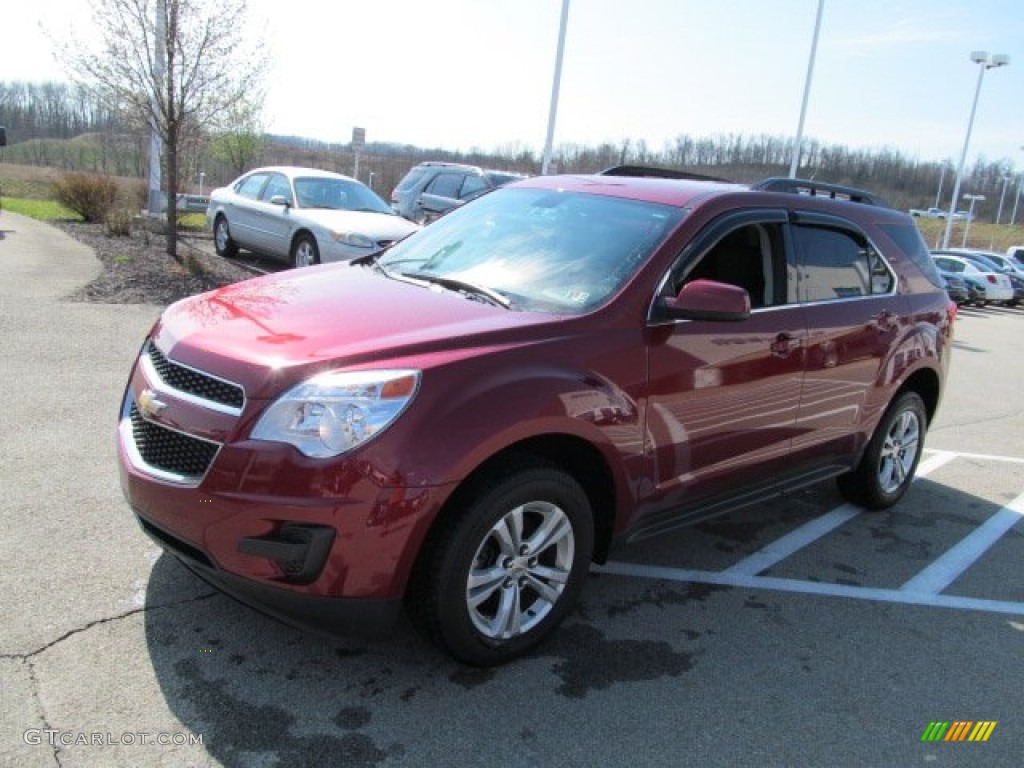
[(942, 178), (1016, 200), (552, 113), (1002, 197), (807, 92), (984, 61), (970, 216), (155, 207)]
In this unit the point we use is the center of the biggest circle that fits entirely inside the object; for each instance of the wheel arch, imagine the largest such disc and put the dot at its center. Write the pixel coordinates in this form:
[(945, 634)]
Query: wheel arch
[(570, 453), (925, 382), (299, 233)]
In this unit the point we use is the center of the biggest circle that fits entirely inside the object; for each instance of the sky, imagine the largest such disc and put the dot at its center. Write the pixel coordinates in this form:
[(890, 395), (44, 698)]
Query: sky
[(465, 74)]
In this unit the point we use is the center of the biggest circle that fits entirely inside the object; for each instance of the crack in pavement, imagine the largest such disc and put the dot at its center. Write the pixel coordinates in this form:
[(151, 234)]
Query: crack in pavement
[(104, 620), (27, 658)]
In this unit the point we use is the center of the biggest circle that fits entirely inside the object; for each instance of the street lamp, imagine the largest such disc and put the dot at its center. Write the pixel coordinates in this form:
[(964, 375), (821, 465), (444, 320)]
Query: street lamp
[(970, 215), (984, 61), (1020, 183), (1016, 200), (795, 161), (556, 83), (999, 211)]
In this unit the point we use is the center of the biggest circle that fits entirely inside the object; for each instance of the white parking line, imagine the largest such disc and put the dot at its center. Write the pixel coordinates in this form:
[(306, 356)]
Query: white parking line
[(722, 578), (923, 589), (795, 540), (813, 530), (944, 571)]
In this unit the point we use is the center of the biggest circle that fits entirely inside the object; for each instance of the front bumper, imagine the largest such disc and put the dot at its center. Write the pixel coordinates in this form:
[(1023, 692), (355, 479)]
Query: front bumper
[(363, 617), (329, 543)]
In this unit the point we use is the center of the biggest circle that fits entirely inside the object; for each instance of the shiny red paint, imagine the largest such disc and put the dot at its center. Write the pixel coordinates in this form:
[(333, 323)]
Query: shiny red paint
[(671, 417)]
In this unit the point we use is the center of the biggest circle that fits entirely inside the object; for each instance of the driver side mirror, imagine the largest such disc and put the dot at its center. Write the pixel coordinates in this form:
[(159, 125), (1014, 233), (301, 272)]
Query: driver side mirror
[(280, 200), (707, 300)]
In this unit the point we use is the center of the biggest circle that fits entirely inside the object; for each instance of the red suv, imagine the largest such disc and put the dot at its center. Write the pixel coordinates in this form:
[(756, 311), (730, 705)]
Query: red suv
[(464, 422)]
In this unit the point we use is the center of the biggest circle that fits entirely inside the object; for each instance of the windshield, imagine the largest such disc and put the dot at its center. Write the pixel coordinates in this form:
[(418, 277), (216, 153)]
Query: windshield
[(338, 194), (543, 250)]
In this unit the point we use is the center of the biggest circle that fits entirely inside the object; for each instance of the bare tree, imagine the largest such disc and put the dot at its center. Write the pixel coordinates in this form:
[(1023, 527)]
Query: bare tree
[(170, 65), (240, 144)]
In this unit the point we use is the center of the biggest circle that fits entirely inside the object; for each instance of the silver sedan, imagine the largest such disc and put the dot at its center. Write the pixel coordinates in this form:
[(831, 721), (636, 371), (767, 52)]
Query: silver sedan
[(304, 215)]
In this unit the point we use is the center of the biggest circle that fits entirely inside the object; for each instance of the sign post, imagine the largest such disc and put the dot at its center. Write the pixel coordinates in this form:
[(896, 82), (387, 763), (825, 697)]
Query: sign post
[(358, 142)]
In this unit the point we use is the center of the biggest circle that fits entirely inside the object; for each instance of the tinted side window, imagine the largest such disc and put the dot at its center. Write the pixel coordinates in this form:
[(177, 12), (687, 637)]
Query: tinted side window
[(250, 186), (411, 178), (750, 256), (472, 185), (908, 238), (839, 264), (445, 185)]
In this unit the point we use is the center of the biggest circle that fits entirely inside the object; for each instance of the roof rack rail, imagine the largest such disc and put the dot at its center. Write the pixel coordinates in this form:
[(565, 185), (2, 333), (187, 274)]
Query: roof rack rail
[(818, 189), (650, 172)]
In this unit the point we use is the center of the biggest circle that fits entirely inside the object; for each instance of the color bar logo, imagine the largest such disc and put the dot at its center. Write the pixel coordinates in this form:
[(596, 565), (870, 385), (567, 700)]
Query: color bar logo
[(959, 730)]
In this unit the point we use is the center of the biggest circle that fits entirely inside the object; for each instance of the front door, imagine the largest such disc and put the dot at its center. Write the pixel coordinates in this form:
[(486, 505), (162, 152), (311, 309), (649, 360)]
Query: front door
[(724, 396)]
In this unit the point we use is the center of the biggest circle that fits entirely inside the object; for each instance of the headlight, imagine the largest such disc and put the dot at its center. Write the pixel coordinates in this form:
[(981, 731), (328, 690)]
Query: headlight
[(353, 239), (335, 412)]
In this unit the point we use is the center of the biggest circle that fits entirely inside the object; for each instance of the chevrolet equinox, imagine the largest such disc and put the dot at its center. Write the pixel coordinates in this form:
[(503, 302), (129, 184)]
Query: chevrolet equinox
[(463, 423)]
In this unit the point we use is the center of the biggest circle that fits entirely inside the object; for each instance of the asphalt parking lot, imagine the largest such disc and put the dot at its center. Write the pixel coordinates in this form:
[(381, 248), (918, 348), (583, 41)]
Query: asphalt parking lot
[(803, 633)]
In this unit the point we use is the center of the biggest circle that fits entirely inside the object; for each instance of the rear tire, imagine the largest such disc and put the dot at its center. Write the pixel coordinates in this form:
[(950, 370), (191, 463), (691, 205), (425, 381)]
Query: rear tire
[(890, 460), (504, 571)]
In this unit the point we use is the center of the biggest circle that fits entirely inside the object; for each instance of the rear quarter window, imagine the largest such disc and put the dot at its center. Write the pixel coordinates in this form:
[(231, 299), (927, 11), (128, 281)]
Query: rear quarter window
[(411, 178), (839, 264), (908, 239)]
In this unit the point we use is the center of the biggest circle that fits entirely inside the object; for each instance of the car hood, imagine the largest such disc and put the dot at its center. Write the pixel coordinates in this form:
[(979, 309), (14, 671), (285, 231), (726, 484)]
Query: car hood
[(378, 226), (269, 333)]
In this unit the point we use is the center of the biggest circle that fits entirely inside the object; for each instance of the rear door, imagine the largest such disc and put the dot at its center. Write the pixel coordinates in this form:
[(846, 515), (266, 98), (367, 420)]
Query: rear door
[(724, 396), (854, 318), (273, 220), (445, 192), (243, 218)]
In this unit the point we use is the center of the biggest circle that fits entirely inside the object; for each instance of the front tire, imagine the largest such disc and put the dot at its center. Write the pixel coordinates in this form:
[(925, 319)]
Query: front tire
[(305, 252), (222, 241), (890, 460), (502, 573)]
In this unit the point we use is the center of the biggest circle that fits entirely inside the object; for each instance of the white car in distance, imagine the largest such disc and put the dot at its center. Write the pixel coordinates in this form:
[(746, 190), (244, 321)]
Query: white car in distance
[(304, 215)]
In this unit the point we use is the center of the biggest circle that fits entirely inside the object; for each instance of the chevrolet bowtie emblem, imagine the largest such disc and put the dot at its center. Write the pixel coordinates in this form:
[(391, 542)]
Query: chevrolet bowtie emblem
[(149, 405)]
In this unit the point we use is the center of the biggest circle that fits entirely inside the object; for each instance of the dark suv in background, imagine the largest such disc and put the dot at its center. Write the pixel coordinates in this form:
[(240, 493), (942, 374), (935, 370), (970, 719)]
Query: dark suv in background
[(464, 422), (431, 189)]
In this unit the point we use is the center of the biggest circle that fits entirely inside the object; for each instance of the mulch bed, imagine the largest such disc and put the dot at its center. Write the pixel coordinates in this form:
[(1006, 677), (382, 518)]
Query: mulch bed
[(137, 269)]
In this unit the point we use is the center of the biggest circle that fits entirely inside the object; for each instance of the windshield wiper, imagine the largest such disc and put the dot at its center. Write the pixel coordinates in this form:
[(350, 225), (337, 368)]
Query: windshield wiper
[(462, 286)]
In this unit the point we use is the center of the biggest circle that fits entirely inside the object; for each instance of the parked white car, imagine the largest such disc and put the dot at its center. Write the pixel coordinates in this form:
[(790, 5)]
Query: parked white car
[(304, 215), (997, 285)]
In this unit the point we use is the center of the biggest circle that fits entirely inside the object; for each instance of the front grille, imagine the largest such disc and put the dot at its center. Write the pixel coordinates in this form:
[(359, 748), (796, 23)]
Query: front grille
[(193, 382), (170, 451)]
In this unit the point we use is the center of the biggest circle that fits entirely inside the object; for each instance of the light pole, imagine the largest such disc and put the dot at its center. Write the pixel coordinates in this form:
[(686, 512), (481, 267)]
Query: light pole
[(556, 83), (984, 62), (1020, 183), (999, 211), (202, 176), (795, 162), (970, 216), (1016, 200), (942, 178)]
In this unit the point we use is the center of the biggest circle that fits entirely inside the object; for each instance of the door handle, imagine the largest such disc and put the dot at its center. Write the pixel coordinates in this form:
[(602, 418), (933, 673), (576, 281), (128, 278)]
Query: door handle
[(886, 320), (783, 345)]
